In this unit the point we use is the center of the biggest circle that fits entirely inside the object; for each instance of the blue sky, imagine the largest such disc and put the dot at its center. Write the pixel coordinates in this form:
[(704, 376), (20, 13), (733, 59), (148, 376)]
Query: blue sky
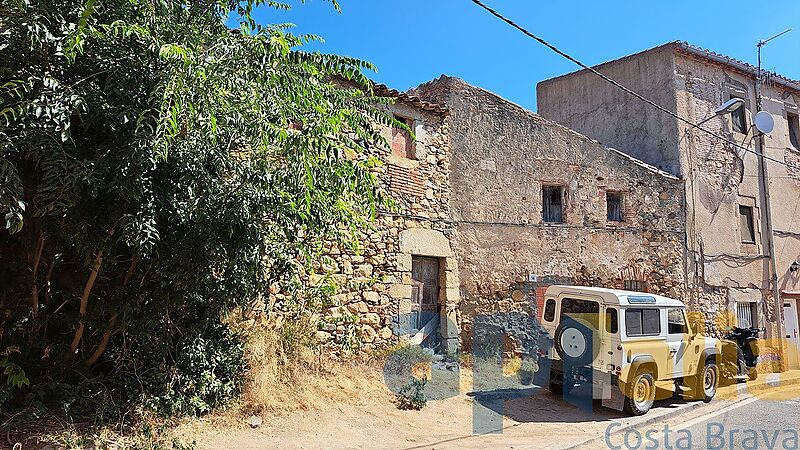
[(413, 41)]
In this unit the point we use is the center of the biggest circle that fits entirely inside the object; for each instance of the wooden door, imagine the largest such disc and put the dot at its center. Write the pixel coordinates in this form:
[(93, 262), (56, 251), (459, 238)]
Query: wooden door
[(425, 270), (425, 298)]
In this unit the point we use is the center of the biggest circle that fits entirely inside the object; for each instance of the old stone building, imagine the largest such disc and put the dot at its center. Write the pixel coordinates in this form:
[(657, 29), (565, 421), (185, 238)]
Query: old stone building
[(534, 203), (404, 274), (739, 213), (493, 203)]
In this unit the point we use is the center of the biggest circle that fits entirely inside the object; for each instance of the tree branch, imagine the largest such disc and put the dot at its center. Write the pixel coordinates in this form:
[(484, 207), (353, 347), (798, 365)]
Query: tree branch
[(103, 342), (110, 328), (76, 339), (34, 283)]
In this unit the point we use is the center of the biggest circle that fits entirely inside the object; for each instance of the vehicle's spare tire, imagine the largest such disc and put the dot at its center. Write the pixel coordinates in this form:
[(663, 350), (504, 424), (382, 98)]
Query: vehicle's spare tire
[(576, 342)]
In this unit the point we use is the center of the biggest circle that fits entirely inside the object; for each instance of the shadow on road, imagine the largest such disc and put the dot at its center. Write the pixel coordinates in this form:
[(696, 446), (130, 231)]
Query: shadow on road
[(535, 404)]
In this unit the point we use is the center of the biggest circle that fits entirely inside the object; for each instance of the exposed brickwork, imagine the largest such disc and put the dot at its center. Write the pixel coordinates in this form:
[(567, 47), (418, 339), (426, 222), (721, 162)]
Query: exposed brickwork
[(405, 181), (375, 281)]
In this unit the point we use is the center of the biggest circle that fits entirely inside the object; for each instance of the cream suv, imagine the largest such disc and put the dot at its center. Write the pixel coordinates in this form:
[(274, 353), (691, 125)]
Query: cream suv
[(626, 344)]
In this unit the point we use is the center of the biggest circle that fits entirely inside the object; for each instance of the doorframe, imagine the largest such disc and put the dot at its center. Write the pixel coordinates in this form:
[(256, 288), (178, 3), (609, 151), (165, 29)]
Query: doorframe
[(431, 243), (792, 354)]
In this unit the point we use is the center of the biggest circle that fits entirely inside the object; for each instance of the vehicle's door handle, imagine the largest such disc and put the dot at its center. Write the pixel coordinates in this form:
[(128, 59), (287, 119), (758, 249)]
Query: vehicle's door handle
[(672, 352)]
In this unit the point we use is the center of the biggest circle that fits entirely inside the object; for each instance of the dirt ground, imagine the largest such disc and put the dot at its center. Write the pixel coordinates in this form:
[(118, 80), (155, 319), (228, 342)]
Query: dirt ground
[(531, 418)]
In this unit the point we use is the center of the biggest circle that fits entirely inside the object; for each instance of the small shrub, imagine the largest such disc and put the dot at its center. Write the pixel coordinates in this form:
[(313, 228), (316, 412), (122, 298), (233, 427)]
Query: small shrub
[(401, 361), (412, 395)]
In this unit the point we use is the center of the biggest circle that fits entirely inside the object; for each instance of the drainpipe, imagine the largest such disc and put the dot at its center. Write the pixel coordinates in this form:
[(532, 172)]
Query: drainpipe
[(764, 181)]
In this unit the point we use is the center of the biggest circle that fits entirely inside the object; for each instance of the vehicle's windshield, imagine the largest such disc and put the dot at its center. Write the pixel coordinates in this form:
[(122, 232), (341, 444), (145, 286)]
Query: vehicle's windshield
[(585, 310)]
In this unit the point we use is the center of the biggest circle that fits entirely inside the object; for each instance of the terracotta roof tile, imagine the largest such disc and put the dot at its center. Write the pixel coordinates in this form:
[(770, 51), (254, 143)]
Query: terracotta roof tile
[(386, 91), (734, 63)]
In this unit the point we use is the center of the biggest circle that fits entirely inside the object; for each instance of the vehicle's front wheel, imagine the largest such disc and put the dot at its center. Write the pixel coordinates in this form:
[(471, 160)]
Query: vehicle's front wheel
[(640, 393), (710, 381)]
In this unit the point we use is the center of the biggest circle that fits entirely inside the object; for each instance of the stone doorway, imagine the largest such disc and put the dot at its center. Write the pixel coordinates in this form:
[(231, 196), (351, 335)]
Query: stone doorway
[(425, 304)]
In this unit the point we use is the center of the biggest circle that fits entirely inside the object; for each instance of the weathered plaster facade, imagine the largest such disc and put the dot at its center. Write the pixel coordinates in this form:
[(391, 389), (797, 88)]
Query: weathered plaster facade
[(724, 269), (501, 157)]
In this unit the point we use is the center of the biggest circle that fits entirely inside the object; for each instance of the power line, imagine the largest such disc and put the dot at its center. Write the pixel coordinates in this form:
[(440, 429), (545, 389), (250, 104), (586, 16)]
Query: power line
[(615, 83)]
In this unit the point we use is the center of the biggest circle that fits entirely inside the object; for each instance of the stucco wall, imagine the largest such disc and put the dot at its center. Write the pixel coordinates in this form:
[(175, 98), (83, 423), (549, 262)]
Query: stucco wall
[(728, 177), (722, 270), (501, 155), (590, 105)]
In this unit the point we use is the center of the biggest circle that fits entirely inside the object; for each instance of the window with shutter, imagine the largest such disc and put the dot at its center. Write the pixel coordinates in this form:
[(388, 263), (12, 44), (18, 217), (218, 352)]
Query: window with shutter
[(614, 206), (552, 204)]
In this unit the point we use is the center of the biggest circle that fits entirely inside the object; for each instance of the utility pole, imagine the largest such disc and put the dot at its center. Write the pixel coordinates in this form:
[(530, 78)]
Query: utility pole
[(764, 181)]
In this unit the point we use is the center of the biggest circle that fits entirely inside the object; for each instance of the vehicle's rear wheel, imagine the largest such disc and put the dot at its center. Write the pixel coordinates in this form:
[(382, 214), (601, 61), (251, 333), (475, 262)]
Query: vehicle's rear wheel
[(640, 393), (560, 383)]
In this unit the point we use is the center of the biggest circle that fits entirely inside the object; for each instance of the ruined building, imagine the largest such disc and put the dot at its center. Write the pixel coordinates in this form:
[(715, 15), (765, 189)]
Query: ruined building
[(493, 204)]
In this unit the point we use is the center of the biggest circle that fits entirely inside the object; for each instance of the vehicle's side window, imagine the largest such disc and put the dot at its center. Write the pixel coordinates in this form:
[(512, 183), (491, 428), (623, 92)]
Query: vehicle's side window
[(642, 322), (612, 321), (676, 323), (586, 310), (550, 310)]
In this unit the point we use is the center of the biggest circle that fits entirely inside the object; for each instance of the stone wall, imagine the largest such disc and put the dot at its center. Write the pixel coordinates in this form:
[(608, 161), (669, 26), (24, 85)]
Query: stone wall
[(375, 281), (502, 155)]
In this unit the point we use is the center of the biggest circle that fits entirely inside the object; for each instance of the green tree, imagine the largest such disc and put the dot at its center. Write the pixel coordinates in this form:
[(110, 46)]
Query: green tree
[(158, 169)]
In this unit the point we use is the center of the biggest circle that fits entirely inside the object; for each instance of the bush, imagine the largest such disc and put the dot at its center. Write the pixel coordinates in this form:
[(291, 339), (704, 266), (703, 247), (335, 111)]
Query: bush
[(207, 373), (412, 395), (152, 180)]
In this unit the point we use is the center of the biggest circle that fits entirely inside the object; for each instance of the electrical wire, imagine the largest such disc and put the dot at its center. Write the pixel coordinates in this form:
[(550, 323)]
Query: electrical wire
[(617, 84)]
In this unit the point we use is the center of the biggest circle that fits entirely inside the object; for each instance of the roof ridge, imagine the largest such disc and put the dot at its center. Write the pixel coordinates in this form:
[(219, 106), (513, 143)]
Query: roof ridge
[(549, 122)]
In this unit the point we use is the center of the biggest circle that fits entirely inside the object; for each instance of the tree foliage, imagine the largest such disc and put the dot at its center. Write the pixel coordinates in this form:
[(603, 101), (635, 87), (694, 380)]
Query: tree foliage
[(158, 169)]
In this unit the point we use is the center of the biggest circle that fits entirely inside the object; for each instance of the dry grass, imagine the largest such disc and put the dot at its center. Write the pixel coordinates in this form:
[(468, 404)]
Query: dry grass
[(287, 373)]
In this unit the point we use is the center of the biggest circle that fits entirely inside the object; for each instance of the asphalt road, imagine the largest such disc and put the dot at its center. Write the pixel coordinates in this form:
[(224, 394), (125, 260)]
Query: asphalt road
[(770, 421)]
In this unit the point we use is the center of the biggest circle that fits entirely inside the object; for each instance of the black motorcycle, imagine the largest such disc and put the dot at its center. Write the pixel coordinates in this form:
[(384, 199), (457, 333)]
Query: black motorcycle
[(740, 353)]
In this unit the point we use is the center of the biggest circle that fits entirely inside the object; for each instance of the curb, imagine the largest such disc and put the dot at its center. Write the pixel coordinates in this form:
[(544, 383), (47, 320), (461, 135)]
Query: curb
[(762, 385)]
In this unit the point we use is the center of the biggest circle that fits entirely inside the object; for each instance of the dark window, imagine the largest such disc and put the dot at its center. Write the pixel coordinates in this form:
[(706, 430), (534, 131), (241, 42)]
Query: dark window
[(636, 286), (794, 129), (614, 206), (738, 118), (746, 226), (550, 310), (676, 323), (642, 322), (612, 321), (402, 143), (552, 204), (585, 310)]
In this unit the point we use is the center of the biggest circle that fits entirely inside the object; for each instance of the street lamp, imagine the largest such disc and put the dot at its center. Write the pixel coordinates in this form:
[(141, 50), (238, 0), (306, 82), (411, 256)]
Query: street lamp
[(725, 108), (729, 106)]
